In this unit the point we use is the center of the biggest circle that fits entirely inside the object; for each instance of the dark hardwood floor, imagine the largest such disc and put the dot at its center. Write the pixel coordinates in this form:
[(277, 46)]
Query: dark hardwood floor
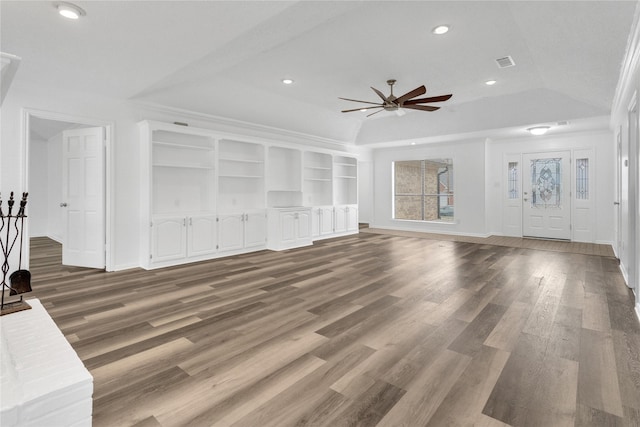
[(363, 330)]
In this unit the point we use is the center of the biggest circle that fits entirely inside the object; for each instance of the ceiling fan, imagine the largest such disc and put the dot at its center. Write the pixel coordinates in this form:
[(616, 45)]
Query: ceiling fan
[(393, 103)]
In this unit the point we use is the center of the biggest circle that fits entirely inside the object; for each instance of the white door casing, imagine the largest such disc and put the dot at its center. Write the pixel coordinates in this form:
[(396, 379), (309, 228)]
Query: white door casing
[(83, 192), (512, 205), (546, 208)]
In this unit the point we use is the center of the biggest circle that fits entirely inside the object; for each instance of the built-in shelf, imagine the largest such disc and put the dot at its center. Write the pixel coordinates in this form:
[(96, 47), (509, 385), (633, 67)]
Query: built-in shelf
[(241, 185), (345, 180), (168, 165), (226, 159), (181, 146)]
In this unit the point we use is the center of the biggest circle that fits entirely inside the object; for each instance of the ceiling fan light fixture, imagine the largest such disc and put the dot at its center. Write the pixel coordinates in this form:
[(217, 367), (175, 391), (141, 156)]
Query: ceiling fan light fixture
[(287, 81), (69, 10), (364, 109), (490, 82), (440, 29), (539, 130)]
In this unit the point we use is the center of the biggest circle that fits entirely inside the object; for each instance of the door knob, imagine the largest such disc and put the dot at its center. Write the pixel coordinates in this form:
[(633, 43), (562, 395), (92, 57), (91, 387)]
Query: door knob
[(63, 205)]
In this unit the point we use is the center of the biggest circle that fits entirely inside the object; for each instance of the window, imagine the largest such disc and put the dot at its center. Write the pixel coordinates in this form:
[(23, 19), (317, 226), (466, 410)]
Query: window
[(512, 179), (423, 190), (582, 179)]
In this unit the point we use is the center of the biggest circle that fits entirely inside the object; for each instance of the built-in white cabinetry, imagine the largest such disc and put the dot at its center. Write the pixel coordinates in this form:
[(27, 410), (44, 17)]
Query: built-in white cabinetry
[(345, 180), (208, 194), (284, 186), (177, 199), (318, 179), (322, 221), (180, 237), (241, 231), (289, 228), (168, 238), (346, 219), (330, 188), (240, 176)]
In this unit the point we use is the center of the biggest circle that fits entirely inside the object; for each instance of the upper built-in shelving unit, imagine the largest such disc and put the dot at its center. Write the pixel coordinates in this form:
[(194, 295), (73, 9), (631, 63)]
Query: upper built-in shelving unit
[(318, 179), (241, 177), (183, 166), (284, 177), (345, 176)]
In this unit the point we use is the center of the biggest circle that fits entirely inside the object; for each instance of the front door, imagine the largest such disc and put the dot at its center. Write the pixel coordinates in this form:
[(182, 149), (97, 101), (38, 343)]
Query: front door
[(83, 197), (546, 199)]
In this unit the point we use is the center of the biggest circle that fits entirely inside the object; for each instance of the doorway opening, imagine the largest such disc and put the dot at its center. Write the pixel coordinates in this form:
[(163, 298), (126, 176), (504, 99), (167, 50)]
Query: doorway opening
[(52, 175)]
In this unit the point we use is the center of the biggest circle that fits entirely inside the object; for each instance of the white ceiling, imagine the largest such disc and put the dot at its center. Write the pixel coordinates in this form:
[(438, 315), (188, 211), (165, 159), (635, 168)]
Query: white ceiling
[(227, 58)]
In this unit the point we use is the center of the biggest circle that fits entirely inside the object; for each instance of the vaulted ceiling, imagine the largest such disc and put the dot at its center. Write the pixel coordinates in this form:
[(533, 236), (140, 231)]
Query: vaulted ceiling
[(227, 58)]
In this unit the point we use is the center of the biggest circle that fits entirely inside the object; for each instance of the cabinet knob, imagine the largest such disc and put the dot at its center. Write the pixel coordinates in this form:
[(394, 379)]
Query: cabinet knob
[(63, 205)]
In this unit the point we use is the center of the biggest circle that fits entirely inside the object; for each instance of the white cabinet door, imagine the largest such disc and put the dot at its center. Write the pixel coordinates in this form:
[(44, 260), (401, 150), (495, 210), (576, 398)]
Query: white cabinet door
[(201, 236), (352, 218), (326, 221), (255, 229), (231, 232), (340, 225), (168, 239), (288, 225), (303, 231), (316, 222)]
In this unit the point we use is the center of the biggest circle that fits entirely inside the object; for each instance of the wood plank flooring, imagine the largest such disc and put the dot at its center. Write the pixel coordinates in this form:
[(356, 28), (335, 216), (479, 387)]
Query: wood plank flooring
[(364, 330)]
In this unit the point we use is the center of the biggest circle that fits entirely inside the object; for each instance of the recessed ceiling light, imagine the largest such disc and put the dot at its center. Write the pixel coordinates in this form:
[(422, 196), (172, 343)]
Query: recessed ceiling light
[(539, 130), (490, 82), (440, 29), (413, 143), (69, 10), (287, 81)]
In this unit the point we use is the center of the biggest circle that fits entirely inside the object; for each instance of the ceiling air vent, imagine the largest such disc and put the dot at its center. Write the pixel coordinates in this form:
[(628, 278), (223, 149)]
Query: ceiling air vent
[(562, 123), (505, 62)]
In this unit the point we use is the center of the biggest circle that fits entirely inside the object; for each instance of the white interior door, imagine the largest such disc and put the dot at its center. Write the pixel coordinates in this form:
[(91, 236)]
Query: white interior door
[(546, 210), (83, 198)]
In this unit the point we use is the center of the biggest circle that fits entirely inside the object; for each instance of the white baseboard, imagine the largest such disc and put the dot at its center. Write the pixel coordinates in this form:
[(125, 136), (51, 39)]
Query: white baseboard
[(625, 275), (124, 267), (445, 232), (55, 238)]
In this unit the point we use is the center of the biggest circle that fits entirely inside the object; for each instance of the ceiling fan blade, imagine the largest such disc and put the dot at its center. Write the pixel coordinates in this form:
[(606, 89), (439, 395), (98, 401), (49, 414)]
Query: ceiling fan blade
[(369, 115), (420, 107), (364, 102), (416, 92), (430, 99), (361, 108), (380, 94)]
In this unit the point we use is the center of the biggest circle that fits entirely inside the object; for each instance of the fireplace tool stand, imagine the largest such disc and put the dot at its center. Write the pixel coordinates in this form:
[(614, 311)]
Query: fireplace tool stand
[(19, 282)]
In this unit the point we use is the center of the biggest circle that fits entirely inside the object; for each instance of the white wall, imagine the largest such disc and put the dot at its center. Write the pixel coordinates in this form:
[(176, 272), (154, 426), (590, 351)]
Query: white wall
[(365, 187), (599, 141), (124, 155), (469, 189), (628, 91), (38, 175)]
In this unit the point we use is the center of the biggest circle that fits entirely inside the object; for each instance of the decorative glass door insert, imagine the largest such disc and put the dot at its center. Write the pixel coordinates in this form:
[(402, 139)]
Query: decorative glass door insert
[(546, 183)]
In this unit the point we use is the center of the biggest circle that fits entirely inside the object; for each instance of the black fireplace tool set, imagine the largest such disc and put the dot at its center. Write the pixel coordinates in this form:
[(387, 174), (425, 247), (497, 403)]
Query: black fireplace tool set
[(12, 228)]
